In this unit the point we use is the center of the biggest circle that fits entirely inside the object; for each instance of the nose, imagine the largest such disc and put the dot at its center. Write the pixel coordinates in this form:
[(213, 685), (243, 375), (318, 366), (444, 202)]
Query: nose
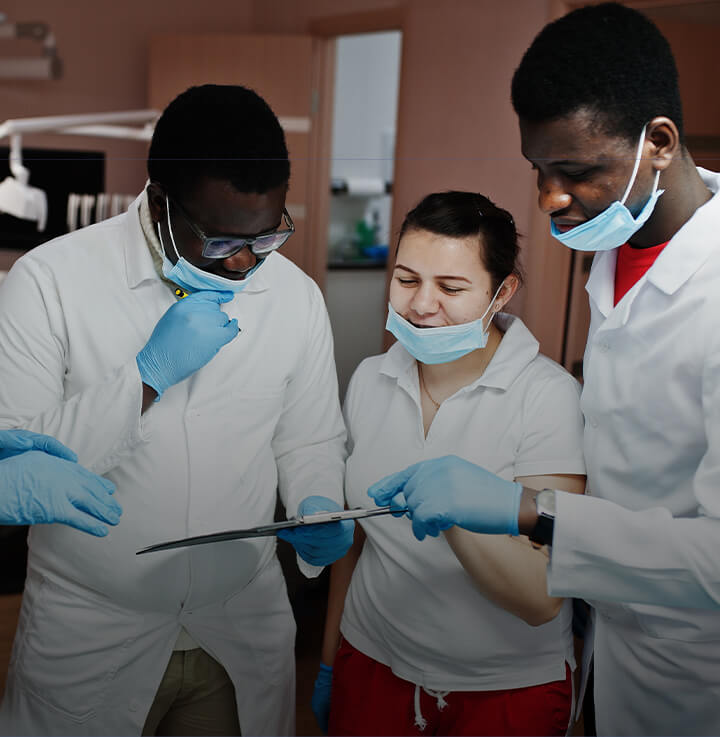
[(552, 195), (424, 301), (243, 260)]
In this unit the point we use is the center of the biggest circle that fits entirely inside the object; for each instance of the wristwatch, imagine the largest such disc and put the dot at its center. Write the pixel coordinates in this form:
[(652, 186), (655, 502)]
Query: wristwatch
[(542, 533)]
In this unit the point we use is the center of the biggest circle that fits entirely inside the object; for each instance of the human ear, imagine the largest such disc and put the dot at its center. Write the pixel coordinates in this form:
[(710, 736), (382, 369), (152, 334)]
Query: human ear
[(664, 139), (156, 201), (510, 285)]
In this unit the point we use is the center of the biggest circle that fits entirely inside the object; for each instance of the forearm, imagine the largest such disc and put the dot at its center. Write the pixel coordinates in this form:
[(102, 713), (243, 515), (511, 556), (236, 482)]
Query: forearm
[(508, 571), (340, 575)]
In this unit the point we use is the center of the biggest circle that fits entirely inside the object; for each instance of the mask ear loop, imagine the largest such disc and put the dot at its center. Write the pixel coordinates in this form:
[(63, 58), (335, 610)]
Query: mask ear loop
[(170, 230), (638, 157), (494, 312)]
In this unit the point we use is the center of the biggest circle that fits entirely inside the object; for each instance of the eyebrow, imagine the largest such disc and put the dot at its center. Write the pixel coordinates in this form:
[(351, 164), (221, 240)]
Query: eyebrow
[(439, 276)]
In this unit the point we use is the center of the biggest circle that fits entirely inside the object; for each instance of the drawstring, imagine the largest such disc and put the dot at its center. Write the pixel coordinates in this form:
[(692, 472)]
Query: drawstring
[(420, 721)]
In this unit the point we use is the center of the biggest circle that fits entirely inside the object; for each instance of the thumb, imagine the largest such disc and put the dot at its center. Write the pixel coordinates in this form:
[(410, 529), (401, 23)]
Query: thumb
[(15, 440), (53, 447), (384, 490)]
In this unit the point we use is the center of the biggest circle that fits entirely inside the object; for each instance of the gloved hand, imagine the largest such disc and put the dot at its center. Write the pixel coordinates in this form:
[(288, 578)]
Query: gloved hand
[(13, 442), (320, 545), (186, 337), (451, 491), (36, 487), (321, 696)]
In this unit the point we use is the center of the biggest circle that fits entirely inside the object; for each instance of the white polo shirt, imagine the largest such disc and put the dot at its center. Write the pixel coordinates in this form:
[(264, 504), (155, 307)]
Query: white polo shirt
[(411, 605)]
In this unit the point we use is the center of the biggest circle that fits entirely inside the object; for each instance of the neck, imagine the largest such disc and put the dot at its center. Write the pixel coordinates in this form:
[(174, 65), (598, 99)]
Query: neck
[(449, 377), (684, 193)]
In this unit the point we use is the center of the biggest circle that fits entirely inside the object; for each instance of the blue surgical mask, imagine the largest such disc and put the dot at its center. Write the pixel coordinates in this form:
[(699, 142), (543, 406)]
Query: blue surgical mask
[(193, 279), (614, 225), (443, 344)]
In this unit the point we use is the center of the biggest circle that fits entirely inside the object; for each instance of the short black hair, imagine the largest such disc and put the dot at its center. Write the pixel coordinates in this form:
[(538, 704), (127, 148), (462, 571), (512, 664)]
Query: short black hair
[(608, 59), (462, 214), (225, 132)]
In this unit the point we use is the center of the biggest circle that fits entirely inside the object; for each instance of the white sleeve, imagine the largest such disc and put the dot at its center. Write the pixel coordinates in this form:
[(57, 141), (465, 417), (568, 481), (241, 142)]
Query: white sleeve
[(604, 551), (101, 423), (552, 428)]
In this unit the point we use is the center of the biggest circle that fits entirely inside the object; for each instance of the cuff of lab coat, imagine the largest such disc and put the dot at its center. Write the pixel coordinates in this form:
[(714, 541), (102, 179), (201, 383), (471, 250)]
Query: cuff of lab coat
[(569, 530), (307, 569)]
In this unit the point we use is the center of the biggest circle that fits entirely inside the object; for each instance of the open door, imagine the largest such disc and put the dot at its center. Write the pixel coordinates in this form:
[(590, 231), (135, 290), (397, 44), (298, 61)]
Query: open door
[(294, 74)]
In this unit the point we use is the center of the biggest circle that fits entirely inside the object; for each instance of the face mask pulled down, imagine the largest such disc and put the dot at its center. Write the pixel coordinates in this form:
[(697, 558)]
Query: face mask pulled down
[(614, 225), (192, 278), (443, 344)]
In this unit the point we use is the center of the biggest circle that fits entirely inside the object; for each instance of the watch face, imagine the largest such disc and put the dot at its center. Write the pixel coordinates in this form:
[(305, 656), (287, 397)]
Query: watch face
[(546, 501)]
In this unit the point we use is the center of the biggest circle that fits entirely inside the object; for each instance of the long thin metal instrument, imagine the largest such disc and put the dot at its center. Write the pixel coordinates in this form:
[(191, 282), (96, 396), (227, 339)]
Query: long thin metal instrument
[(271, 529)]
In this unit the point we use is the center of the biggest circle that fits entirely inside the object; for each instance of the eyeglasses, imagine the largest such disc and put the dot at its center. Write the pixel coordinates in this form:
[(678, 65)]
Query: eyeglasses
[(222, 246)]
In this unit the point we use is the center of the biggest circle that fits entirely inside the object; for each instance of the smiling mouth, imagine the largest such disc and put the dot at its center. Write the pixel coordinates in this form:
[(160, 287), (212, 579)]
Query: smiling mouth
[(564, 227)]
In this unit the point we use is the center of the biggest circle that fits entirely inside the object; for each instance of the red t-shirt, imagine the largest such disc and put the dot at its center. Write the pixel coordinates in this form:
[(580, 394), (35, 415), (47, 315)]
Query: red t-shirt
[(631, 264)]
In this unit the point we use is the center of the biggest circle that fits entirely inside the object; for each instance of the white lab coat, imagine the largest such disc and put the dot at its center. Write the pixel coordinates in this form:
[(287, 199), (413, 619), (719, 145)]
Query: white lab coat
[(645, 548), (98, 624)]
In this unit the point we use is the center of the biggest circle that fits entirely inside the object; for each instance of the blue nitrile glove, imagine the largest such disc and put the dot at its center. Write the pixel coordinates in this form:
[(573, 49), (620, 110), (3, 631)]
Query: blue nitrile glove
[(450, 491), (321, 696), (320, 545), (36, 487), (186, 337), (13, 442)]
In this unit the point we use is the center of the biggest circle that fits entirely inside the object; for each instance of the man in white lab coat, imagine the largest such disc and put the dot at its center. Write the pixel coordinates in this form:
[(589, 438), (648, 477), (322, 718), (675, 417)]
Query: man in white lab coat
[(190, 364), (601, 122)]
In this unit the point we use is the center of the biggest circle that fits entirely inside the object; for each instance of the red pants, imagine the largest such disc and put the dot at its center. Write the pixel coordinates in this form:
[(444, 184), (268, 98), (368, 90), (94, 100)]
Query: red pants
[(369, 699)]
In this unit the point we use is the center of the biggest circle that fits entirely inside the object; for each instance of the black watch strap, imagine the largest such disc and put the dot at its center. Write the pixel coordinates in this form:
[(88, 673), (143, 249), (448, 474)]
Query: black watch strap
[(542, 533)]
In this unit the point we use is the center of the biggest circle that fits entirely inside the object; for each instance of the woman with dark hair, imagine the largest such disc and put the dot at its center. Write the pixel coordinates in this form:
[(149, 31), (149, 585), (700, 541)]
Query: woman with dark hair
[(454, 634)]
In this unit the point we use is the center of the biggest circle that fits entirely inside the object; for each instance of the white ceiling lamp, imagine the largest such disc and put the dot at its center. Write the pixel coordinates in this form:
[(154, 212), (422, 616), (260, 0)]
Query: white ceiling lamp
[(44, 66), (17, 197)]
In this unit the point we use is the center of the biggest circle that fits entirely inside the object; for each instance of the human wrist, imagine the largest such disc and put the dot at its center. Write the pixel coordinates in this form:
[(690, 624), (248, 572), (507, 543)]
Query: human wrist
[(527, 512)]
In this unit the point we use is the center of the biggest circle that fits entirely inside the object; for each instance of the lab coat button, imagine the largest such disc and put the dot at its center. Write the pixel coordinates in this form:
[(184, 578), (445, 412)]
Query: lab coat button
[(593, 422), (133, 705), (604, 347)]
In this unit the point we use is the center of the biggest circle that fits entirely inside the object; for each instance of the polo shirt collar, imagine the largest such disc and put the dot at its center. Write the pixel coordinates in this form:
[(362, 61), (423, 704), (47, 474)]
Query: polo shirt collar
[(517, 349)]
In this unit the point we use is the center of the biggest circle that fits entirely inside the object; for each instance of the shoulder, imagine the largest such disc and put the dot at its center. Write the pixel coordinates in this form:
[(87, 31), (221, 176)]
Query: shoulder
[(283, 268), (525, 370), (79, 249)]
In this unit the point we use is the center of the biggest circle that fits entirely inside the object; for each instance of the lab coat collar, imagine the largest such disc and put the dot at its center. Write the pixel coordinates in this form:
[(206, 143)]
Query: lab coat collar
[(684, 254), (692, 245), (516, 350), (139, 263)]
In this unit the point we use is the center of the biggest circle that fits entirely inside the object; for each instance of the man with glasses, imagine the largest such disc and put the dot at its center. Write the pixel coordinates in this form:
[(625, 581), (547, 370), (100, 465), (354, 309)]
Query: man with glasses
[(191, 365)]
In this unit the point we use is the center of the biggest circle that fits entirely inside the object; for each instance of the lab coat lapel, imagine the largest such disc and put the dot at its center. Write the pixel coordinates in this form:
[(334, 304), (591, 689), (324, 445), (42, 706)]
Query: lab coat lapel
[(600, 285)]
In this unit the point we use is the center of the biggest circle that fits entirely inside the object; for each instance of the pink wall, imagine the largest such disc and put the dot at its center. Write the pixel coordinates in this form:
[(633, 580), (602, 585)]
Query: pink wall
[(104, 49), (695, 48), (456, 127)]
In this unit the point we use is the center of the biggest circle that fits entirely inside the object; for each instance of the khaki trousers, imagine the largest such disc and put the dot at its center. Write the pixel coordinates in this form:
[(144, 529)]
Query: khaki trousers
[(195, 697)]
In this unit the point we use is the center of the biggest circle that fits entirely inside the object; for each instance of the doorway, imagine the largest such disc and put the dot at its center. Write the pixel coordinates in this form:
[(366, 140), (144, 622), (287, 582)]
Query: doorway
[(367, 75)]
